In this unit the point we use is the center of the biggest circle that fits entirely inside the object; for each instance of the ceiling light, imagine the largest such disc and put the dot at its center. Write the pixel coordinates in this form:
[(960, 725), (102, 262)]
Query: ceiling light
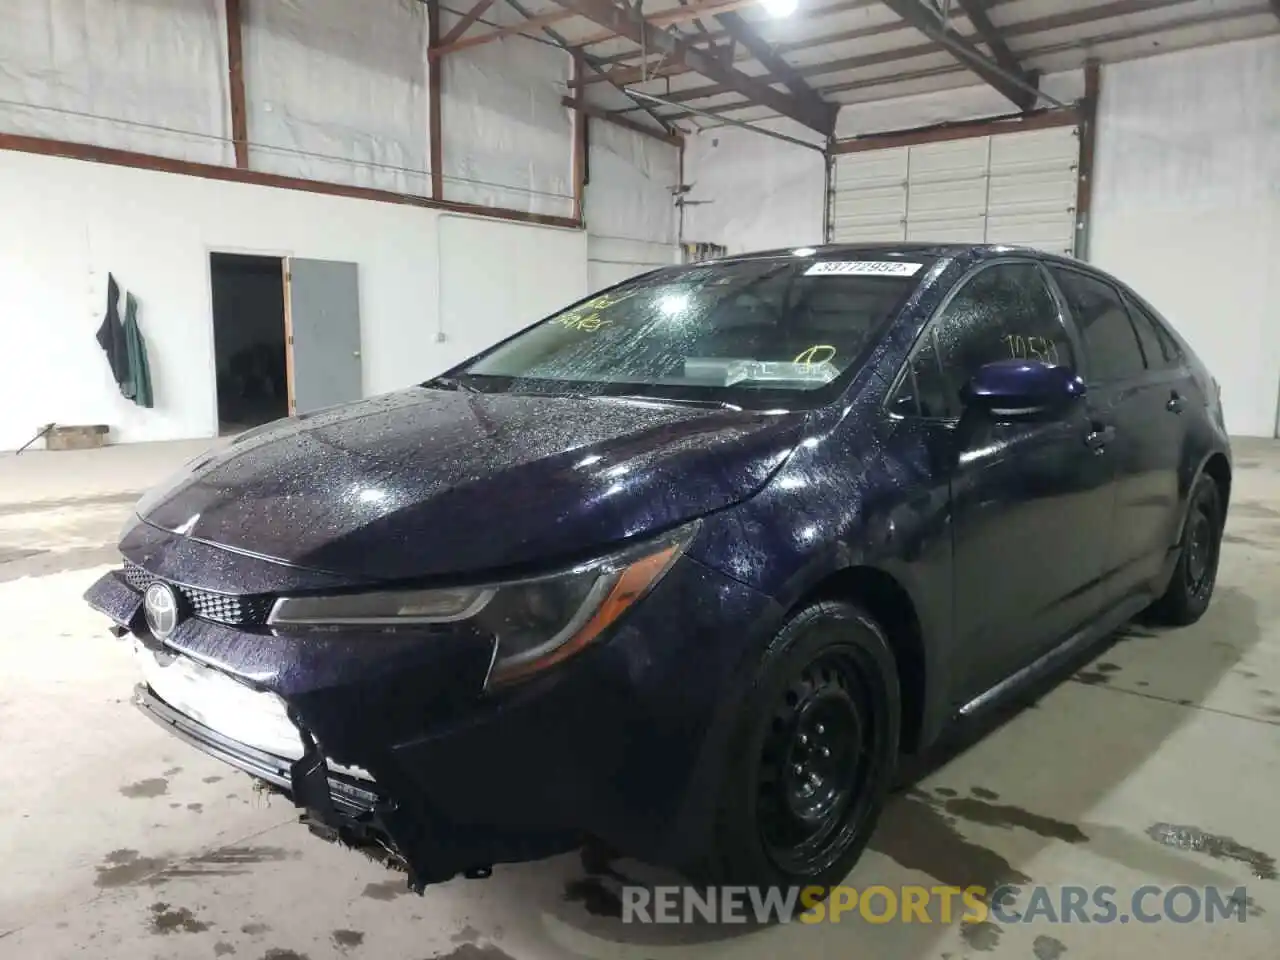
[(779, 8), (803, 252)]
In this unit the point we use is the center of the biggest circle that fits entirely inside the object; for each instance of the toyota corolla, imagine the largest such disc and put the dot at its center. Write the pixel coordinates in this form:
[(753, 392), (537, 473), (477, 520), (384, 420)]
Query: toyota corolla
[(685, 568)]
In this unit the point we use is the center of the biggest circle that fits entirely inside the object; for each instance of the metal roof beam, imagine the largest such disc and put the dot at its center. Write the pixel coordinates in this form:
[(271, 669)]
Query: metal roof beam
[(527, 27), (465, 21), (743, 33), (1016, 87), (587, 109), (812, 69), (807, 15), (1195, 20), (629, 74), (1070, 18), (656, 69), (976, 11), (665, 18), (589, 60), (649, 37)]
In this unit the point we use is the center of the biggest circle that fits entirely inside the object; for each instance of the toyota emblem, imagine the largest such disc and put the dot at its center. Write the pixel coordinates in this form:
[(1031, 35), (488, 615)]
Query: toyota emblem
[(160, 606)]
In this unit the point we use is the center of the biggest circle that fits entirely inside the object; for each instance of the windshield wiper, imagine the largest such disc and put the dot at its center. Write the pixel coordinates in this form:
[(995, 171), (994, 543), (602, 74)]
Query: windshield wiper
[(451, 383), (679, 401)]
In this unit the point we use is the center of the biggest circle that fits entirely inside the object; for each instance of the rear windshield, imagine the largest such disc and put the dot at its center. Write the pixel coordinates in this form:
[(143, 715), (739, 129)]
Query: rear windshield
[(729, 331)]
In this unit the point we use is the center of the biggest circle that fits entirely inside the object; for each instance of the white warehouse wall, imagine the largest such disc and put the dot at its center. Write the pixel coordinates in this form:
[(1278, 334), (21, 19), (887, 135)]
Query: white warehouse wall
[(123, 75), (329, 79), (754, 192), (629, 205), (508, 140), (1186, 208), (66, 223), (334, 91)]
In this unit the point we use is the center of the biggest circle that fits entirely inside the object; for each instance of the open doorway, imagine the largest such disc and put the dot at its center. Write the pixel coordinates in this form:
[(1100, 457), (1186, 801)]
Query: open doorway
[(249, 340)]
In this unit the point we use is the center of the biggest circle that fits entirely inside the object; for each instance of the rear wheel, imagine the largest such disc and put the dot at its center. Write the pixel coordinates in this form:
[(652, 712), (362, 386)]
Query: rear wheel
[(815, 751), (1191, 587)]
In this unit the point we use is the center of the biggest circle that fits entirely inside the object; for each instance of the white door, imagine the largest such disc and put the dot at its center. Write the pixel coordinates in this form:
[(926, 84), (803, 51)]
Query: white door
[(322, 324)]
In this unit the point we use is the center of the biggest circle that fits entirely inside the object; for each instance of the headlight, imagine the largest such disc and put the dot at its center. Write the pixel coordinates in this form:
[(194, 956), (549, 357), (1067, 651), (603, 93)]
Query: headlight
[(534, 623)]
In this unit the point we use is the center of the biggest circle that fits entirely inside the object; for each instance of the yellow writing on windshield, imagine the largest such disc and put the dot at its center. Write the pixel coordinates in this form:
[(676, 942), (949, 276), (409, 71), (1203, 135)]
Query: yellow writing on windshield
[(586, 317), (590, 323), (818, 353)]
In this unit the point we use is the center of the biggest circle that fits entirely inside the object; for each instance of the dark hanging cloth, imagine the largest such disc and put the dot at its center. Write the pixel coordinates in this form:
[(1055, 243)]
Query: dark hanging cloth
[(125, 349), (111, 335)]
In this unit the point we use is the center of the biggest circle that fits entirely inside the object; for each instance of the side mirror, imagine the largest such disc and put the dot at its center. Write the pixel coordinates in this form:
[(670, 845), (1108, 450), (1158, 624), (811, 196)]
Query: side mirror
[(1022, 389)]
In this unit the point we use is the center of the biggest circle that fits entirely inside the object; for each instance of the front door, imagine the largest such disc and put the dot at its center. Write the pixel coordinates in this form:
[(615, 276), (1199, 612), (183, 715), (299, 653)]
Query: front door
[(322, 320), (1031, 501)]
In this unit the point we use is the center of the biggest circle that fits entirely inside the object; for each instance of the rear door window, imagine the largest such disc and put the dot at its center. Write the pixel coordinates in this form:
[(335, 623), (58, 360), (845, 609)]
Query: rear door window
[(1110, 340), (1160, 349)]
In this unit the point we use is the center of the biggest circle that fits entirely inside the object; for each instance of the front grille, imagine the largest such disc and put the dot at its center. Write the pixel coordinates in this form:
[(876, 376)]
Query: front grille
[(241, 611)]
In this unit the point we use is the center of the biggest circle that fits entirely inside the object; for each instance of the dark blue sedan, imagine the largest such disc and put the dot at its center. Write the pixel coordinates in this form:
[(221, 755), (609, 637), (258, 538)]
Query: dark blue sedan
[(684, 569)]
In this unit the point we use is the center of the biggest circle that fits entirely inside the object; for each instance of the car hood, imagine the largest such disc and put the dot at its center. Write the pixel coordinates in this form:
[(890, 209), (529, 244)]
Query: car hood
[(429, 482)]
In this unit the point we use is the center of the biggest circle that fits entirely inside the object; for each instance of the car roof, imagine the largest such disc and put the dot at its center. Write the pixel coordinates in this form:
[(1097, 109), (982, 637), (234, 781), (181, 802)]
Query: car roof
[(949, 250)]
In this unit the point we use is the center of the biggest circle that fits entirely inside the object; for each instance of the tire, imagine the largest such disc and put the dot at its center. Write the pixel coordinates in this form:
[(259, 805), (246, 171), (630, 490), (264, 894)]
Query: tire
[(1191, 587), (827, 682)]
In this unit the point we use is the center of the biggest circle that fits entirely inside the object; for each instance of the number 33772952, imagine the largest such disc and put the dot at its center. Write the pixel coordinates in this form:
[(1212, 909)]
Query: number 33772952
[(1031, 348)]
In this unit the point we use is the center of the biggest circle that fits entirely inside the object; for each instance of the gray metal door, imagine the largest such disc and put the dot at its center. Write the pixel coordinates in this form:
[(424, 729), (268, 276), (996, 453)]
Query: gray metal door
[(323, 317)]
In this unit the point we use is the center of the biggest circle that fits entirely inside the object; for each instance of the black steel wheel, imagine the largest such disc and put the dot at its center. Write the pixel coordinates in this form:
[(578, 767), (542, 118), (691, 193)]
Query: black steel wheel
[(816, 749), (1191, 587)]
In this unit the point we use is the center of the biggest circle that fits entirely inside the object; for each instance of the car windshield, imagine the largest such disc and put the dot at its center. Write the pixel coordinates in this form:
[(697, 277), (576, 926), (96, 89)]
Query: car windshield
[(743, 331)]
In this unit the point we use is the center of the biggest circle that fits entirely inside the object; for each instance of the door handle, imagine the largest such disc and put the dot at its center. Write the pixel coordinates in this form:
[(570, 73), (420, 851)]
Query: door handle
[(1099, 436), (1176, 402)]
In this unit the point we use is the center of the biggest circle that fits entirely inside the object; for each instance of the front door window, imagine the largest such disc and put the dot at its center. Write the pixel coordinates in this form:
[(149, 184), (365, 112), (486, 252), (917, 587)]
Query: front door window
[(1005, 311)]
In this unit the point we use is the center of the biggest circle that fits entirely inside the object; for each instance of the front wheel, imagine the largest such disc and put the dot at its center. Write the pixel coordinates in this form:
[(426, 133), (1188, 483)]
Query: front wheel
[(1191, 587), (814, 754)]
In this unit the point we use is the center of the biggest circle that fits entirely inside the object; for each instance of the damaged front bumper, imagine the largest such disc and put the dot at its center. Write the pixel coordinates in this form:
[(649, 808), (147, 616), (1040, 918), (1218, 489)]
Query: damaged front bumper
[(333, 795), (338, 806), (257, 732), (349, 808), (389, 745)]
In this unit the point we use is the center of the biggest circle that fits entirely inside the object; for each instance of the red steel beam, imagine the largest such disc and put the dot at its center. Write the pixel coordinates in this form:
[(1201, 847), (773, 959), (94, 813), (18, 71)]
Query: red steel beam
[(235, 83)]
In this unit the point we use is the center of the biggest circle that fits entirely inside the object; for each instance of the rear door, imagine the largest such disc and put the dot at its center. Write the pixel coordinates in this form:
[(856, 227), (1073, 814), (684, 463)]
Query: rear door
[(1031, 501), (322, 321), (1136, 374)]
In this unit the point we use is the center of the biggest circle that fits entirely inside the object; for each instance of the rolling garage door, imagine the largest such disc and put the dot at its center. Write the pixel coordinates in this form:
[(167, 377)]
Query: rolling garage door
[(1016, 188)]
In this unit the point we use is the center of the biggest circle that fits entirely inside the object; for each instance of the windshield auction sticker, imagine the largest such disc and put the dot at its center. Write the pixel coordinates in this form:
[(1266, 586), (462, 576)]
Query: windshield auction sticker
[(863, 268)]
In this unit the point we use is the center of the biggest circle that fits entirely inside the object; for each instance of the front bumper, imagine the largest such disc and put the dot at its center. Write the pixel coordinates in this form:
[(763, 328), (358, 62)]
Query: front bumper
[(623, 743), (349, 810), (347, 796)]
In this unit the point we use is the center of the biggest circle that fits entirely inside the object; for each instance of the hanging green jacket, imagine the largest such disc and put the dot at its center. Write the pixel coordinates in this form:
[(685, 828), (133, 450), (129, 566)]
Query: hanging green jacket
[(137, 386)]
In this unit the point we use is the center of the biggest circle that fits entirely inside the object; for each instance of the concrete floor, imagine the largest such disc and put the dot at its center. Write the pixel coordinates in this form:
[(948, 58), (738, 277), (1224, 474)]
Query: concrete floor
[(122, 842)]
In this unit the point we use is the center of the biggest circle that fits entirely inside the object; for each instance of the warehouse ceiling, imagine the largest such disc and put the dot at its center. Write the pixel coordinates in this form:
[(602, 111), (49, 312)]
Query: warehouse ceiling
[(710, 61)]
